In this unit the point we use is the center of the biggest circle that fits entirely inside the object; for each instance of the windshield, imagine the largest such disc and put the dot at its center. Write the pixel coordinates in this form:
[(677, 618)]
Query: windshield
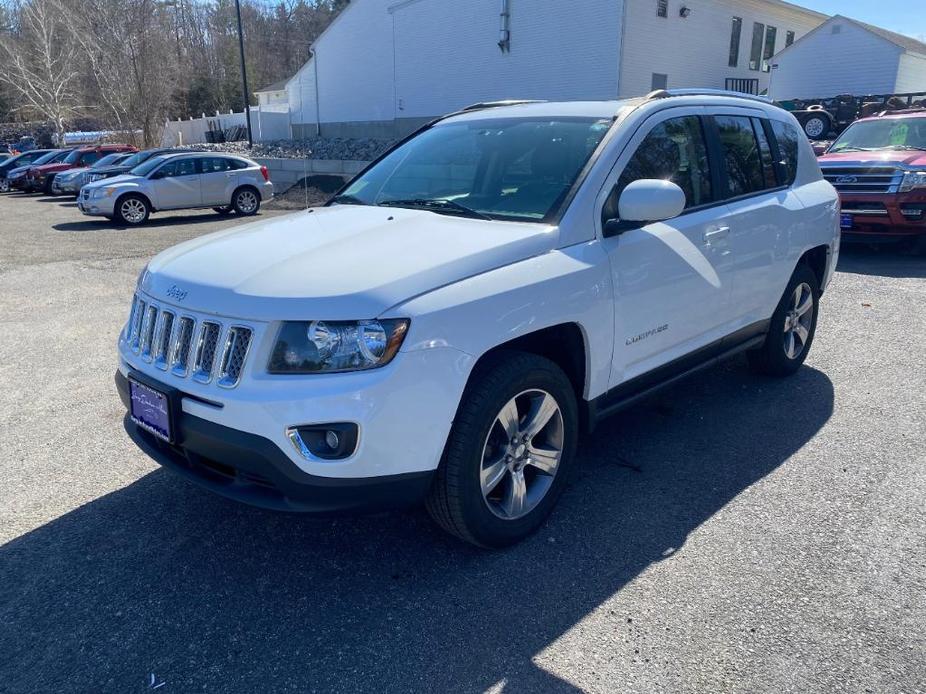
[(45, 158), (889, 133), (507, 168), (73, 157), (136, 159), (145, 168)]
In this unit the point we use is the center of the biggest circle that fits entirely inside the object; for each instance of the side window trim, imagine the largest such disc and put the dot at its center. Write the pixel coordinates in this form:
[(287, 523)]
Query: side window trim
[(777, 156)]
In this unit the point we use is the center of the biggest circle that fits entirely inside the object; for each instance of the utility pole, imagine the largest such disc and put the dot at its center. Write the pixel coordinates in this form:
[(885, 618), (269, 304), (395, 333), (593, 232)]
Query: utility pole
[(244, 76)]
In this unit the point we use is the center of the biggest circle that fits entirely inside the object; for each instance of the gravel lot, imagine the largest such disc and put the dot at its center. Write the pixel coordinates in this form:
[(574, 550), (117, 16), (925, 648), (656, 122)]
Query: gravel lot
[(734, 534)]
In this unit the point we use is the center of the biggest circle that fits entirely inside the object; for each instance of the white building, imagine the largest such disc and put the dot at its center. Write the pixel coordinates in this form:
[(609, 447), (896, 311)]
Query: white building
[(385, 66), (273, 97), (845, 56)]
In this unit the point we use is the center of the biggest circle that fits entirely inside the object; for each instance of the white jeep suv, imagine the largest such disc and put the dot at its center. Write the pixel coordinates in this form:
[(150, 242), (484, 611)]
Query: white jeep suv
[(443, 329)]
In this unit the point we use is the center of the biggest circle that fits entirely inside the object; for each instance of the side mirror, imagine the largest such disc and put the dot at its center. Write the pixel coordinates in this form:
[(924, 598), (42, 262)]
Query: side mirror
[(645, 201)]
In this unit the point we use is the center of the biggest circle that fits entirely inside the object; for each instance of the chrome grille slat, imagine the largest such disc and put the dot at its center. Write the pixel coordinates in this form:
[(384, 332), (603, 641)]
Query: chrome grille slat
[(162, 339), (235, 352), (206, 349), (147, 331), (181, 347)]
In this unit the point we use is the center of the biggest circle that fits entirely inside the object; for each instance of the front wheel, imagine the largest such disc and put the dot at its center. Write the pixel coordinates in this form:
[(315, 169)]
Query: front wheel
[(4, 185), (131, 210), (223, 210), (509, 452), (246, 201), (792, 327), (49, 187)]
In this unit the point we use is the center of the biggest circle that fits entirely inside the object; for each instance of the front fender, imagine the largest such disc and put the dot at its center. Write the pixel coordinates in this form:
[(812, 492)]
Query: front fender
[(568, 285)]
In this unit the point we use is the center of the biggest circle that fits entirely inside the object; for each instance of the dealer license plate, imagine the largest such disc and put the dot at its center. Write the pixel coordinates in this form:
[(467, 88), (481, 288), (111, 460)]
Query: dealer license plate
[(150, 409)]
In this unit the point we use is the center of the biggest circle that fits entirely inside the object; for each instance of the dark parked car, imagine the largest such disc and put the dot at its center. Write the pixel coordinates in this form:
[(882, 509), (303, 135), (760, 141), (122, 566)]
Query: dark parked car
[(43, 177), (16, 161), (18, 178)]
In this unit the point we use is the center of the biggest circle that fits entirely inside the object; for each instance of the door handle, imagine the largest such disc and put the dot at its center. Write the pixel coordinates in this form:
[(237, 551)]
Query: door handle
[(716, 234)]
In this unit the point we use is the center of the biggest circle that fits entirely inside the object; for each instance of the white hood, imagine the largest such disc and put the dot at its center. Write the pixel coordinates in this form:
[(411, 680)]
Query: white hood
[(341, 262)]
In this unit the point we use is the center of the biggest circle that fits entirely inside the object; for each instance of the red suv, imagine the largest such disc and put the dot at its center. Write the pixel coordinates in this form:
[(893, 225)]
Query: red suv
[(878, 165), (42, 177)]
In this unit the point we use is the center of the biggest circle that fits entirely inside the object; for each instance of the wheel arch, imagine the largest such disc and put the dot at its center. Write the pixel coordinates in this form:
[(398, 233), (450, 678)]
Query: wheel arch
[(564, 344), (816, 259), (136, 193)]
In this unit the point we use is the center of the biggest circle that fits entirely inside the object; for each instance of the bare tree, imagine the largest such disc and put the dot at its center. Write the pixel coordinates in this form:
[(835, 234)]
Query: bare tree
[(39, 66)]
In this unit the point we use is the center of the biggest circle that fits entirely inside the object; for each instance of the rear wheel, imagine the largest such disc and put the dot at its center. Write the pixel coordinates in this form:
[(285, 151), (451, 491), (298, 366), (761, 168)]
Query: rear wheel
[(4, 185), (246, 201), (509, 453), (792, 327), (132, 210)]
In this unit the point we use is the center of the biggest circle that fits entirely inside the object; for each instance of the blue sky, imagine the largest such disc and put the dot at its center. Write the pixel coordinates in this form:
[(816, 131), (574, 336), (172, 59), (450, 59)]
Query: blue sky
[(903, 16)]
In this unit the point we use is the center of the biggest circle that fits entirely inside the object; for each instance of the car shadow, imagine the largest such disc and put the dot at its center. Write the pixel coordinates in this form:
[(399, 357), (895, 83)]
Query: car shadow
[(161, 577), (885, 260), (100, 223)]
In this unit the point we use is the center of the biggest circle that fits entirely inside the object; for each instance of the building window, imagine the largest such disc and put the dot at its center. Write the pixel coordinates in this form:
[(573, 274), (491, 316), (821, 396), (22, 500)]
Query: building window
[(837, 29), (735, 41), (789, 38), (660, 81), (662, 8), (771, 34), (755, 52)]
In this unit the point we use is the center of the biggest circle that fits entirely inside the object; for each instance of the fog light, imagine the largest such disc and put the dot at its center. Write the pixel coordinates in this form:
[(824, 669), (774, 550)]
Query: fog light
[(324, 441)]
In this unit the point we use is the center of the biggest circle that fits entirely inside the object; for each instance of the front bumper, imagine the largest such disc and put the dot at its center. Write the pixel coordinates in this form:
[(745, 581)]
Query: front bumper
[(252, 469), (879, 217), (101, 207)]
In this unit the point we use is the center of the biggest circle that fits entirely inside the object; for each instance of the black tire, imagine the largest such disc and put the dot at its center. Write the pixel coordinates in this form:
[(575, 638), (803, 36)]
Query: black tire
[(456, 500), (223, 210), (246, 201), (4, 185), (47, 188), (121, 213), (772, 358), (817, 126)]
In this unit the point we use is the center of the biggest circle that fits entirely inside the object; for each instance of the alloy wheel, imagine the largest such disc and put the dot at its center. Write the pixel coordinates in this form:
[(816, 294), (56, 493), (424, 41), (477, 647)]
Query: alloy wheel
[(798, 321), (814, 127), (247, 201), (521, 454), (133, 210)]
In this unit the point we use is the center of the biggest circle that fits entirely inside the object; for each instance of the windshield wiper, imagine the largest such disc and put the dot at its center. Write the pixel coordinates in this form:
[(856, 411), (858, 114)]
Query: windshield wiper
[(347, 200), (437, 205), (908, 148)]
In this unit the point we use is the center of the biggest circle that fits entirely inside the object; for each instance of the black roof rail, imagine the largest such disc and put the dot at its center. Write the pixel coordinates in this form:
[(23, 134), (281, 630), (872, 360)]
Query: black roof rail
[(498, 104)]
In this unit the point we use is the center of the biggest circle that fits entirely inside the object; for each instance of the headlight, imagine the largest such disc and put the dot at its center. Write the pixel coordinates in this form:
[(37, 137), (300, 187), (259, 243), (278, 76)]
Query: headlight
[(329, 346), (913, 180), (102, 193)]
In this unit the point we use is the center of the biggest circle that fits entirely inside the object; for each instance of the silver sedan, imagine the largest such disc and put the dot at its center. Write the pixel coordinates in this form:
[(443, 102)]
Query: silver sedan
[(224, 182)]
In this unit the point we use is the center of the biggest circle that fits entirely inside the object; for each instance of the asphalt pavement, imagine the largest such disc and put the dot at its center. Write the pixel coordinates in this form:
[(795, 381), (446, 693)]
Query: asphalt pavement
[(733, 534)]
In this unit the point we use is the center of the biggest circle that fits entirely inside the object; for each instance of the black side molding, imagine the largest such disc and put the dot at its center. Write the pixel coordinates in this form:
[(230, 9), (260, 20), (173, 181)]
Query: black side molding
[(636, 389)]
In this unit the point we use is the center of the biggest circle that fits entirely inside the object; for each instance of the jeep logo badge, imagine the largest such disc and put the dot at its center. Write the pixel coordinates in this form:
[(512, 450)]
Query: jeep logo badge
[(177, 293)]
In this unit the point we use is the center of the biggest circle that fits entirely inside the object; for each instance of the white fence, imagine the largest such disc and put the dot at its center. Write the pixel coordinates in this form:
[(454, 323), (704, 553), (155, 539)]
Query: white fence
[(265, 125)]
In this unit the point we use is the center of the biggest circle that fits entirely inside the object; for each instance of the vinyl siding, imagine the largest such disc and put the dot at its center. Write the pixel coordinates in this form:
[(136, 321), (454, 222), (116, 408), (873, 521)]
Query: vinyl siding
[(911, 75), (447, 54), (694, 51), (853, 61)]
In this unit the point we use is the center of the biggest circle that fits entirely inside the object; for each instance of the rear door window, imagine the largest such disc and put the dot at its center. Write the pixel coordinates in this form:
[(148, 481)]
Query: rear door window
[(741, 155), (178, 167), (765, 151), (215, 165)]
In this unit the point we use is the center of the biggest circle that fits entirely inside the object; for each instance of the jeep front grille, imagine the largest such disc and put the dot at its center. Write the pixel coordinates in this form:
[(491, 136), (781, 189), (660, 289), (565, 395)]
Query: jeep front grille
[(185, 346), (864, 179)]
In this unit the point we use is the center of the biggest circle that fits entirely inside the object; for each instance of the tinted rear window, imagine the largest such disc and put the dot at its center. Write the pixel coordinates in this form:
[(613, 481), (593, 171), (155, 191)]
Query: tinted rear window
[(741, 155)]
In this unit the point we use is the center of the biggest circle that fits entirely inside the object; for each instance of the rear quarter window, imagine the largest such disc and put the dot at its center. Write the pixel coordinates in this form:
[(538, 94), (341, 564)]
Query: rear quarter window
[(789, 144)]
